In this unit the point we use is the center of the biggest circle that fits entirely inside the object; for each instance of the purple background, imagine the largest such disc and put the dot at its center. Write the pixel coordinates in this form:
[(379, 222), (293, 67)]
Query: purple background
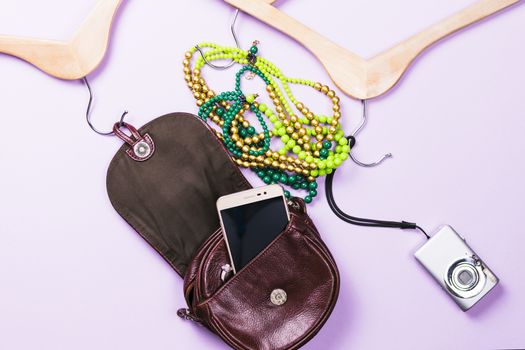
[(74, 275)]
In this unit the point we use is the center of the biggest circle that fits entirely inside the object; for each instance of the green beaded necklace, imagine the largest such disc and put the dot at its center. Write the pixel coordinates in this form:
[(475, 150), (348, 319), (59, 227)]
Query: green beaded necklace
[(251, 149)]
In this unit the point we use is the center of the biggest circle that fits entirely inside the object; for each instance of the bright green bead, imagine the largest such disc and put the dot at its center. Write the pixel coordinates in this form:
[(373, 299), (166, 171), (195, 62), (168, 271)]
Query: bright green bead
[(322, 119), (263, 107), (273, 118), (322, 172), (296, 149), (309, 159), (302, 155), (345, 149), (343, 141), (281, 131), (314, 173), (343, 156), (337, 162), (285, 138), (329, 164), (322, 165), (282, 151), (278, 124)]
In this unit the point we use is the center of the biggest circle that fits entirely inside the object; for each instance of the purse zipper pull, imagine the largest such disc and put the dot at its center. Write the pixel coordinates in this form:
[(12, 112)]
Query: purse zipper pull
[(186, 314)]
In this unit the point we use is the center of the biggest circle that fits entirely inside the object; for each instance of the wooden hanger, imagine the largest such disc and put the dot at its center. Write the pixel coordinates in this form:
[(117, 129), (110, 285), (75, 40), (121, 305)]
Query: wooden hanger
[(367, 78), (73, 59)]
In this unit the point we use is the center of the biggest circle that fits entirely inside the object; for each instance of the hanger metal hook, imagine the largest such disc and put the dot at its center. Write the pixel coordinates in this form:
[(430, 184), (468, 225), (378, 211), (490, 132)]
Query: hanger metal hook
[(356, 132), (228, 65), (88, 113)]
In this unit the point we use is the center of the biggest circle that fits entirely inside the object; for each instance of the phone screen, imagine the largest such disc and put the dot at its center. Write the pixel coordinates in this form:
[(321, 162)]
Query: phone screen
[(252, 227)]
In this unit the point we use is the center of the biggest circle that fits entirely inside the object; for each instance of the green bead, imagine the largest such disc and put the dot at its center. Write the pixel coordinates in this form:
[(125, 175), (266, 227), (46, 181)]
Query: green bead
[(254, 50), (312, 185), (251, 130), (287, 194), (276, 177), (296, 186), (343, 141), (263, 107), (312, 193), (304, 185), (285, 138), (314, 173), (345, 149), (323, 153), (343, 156), (261, 173), (270, 172), (330, 164), (327, 144), (302, 155), (283, 179), (267, 180), (296, 149), (308, 199), (292, 179)]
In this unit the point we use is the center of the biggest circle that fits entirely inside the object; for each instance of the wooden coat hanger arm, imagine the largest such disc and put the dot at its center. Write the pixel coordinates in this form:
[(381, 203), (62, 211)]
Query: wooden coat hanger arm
[(355, 76), (73, 59)]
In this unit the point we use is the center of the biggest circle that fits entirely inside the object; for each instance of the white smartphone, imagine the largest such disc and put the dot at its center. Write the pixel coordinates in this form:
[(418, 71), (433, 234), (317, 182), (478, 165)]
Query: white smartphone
[(251, 220)]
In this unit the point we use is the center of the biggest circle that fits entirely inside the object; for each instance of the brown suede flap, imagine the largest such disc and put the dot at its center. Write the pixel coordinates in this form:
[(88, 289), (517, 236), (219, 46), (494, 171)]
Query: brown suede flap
[(170, 198)]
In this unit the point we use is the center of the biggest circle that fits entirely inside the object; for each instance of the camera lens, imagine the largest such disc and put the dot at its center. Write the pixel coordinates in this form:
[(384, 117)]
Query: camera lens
[(464, 276)]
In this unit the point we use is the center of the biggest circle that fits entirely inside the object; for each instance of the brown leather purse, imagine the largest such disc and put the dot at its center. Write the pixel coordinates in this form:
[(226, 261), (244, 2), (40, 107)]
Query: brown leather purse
[(164, 182)]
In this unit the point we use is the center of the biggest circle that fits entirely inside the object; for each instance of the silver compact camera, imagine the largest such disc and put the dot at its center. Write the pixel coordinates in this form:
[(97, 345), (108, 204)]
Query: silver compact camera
[(456, 267)]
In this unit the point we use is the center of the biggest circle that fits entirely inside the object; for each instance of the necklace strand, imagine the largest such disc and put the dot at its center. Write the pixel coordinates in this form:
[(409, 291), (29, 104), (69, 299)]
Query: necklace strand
[(312, 145)]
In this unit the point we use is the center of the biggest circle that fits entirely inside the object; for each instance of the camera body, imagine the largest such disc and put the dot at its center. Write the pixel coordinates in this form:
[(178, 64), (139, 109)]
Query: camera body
[(456, 267)]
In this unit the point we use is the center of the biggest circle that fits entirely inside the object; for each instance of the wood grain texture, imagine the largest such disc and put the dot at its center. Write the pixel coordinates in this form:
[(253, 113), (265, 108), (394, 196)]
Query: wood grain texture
[(367, 78), (73, 59)]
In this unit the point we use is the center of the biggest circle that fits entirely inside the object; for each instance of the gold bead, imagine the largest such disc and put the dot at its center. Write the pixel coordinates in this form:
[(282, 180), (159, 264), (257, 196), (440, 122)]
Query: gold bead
[(260, 159), (305, 111), (299, 105), (196, 72), (235, 137), (187, 54), (239, 117), (187, 77), (269, 88), (318, 129), (200, 102), (253, 164), (235, 123), (221, 123), (245, 124), (190, 85), (276, 101), (275, 164), (272, 95), (319, 145), (335, 100), (331, 93), (297, 125), (205, 88), (282, 166), (325, 89), (330, 137), (234, 130), (289, 129), (275, 155), (239, 144), (306, 172), (211, 93), (307, 147), (295, 136), (293, 118), (216, 119), (297, 161), (318, 86), (311, 179), (245, 149), (244, 156), (186, 62), (297, 169), (314, 122), (267, 162), (312, 166), (302, 132), (337, 115), (335, 122), (336, 108), (306, 138), (290, 159), (319, 137), (248, 140), (286, 122), (316, 154), (251, 158), (279, 109), (255, 139), (290, 168), (238, 161), (186, 70), (281, 116), (310, 116), (331, 129), (197, 95), (246, 164), (300, 142), (282, 158)]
